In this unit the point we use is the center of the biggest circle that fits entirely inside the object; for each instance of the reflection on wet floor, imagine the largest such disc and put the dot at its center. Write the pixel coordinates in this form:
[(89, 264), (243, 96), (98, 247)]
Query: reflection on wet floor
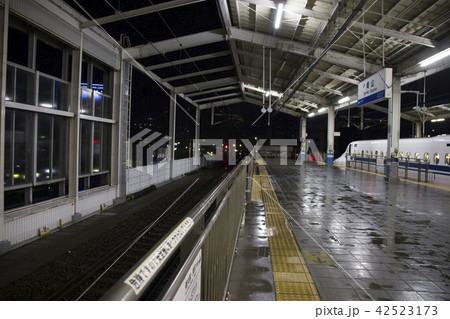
[(385, 241)]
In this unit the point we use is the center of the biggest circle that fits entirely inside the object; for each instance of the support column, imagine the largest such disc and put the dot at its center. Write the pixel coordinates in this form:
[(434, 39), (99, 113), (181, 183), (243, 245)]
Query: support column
[(302, 139), (4, 21), (122, 98), (74, 130), (197, 136), (418, 126), (330, 136), (393, 131), (172, 130)]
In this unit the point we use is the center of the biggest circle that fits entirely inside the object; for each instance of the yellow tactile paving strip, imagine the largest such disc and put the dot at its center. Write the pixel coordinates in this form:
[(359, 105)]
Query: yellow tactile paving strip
[(291, 276)]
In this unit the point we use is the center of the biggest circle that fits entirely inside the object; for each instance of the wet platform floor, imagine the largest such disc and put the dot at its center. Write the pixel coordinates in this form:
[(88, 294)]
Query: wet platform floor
[(383, 241), (362, 237)]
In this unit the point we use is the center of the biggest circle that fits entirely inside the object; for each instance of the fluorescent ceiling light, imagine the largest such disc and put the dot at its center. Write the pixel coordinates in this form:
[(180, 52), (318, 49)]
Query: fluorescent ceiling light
[(438, 120), (258, 89), (435, 58), (279, 13), (311, 114), (344, 99), (323, 109), (46, 105)]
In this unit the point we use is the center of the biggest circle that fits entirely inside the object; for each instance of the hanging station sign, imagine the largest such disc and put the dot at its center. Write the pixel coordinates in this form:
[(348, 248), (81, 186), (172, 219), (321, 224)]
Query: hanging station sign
[(376, 87)]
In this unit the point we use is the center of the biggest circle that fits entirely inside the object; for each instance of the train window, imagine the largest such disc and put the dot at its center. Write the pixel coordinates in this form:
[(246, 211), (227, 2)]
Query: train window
[(436, 158), (376, 153), (447, 159), (400, 155), (359, 153), (381, 154), (417, 155), (371, 153), (408, 155), (426, 157), (367, 153)]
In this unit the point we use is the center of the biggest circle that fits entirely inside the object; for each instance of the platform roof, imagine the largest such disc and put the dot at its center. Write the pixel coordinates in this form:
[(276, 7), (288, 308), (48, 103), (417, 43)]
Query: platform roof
[(212, 52)]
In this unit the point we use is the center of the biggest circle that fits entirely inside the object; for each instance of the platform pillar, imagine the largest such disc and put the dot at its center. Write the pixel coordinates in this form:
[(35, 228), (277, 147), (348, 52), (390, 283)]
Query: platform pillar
[(196, 160), (302, 139), (393, 131), (330, 136), (418, 126), (4, 21), (172, 130)]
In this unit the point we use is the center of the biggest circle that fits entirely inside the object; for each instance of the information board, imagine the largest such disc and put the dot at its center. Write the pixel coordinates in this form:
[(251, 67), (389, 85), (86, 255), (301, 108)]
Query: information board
[(376, 87)]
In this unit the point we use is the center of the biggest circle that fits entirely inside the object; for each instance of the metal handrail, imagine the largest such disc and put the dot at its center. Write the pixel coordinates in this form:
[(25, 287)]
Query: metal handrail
[(124, 292)]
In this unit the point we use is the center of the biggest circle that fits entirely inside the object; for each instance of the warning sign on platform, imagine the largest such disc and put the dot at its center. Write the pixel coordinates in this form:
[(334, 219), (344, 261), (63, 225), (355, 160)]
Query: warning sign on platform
[(190, 288)]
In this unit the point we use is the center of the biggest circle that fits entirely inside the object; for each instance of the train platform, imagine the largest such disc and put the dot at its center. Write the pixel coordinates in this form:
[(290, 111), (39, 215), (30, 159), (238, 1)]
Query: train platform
[(338, 234)]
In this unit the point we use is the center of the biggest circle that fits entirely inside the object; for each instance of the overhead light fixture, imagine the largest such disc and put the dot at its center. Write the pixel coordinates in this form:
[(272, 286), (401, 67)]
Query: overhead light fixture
[(435, 58), (279, 13), (438, 120), (311, 114), (323, 109), (258, 89), (344, 99)]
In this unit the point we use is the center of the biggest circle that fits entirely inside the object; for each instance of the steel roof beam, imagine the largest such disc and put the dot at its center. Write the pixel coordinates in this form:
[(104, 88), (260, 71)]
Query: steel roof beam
[(175, 44), (200, 73), (138, 12), (301, 49), (291, 9), (206, 85), (216, 97), (221, 103), (227, 88), (392, 33), (188, 60)]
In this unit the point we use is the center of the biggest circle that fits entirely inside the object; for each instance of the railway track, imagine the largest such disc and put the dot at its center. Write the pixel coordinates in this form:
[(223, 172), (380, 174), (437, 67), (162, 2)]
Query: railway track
[(94, 281), (86, 270)]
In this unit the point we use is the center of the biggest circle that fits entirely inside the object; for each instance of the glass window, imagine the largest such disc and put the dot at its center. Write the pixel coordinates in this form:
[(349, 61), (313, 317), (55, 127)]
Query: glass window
[(44, 145), (48, 59), (85, 147), (18, 49), (61, 96), (376, 153), (417, 155), (97, 162), (8, 147), (23, 137), (84, 74), (14, 198), (106, 147), (45, 192), (60, 147), (426, 157), (400, 155), (10, 80), (447, 159), (45, 92), (408, 155), (25, 87), (86, 102), (381, 154), (98, 79), (436, 158)]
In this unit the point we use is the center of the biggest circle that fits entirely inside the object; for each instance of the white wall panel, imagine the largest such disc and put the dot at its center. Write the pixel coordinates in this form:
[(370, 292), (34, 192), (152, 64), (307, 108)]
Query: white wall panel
[(90, 201), (22, 227)]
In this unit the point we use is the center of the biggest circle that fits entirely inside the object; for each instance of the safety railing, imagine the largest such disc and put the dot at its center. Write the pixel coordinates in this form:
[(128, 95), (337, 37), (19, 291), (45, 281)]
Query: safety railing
[(205, 241), (414, 169)]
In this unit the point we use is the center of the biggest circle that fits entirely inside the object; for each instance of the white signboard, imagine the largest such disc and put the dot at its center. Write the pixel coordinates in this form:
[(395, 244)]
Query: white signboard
[(142, 275), (190, 288), (376, 87)]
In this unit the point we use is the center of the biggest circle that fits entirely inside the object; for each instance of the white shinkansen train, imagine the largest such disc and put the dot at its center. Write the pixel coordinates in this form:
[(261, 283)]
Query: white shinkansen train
[(414, 154)]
